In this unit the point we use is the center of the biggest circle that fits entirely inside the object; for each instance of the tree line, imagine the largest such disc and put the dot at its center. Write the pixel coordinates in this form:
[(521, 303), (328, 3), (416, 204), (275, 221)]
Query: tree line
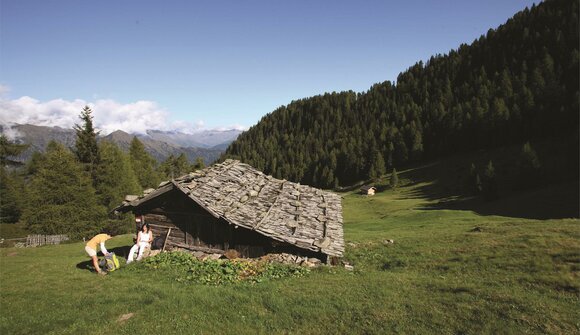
[(517, 83), (74, 190)]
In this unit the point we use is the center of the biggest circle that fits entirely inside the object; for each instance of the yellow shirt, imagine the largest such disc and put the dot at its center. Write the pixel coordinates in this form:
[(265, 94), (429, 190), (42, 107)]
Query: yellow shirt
[(96, 240)]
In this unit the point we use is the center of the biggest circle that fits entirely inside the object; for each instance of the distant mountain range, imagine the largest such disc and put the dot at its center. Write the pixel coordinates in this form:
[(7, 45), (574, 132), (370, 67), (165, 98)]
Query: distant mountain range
[(208, 144)]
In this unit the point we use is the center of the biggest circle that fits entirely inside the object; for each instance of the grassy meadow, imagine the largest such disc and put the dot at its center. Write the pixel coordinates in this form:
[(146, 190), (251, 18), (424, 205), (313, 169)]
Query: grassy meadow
[(474, 269)]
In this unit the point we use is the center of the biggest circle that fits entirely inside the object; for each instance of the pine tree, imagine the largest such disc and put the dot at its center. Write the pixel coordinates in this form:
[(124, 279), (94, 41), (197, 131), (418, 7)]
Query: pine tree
[(166, 169), (86, 148), (416, 145), (34, 162), (181, 165), (61, 198), (474, 181), (377, 166), (115, 177), (198, 164), (394, 182), (12, 196), (10, 150), (12, 188), (529, 168), (143, 165), (174, 167), (489, 183)]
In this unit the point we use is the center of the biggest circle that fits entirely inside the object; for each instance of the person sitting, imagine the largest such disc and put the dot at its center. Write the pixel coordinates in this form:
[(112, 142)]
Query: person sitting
[(144, 239), (91, 249)]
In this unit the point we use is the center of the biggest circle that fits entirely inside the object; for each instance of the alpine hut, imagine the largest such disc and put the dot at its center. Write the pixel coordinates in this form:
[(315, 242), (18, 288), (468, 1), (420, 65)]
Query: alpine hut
[(231, 205), (368, 190)]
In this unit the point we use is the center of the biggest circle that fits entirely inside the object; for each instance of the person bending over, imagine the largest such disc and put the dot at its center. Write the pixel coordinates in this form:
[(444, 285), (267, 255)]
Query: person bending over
[(91, 249)]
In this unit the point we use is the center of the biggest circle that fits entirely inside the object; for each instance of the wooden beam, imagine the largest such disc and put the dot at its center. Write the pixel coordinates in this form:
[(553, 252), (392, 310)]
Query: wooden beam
[(153, 225), (166, 237)]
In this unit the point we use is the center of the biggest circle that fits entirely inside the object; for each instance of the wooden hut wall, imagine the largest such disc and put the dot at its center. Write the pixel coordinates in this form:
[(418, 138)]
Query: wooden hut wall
[(192, 226)]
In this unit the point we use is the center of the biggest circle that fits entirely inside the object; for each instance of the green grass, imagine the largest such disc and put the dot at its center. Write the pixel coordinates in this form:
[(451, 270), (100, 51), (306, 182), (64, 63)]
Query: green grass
[(449, 271)]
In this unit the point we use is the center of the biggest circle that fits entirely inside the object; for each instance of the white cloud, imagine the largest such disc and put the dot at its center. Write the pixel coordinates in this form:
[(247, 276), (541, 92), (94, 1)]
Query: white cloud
[(135, 117), (11, 133), (109, 115), (56, 112), (187, 127), (232, 127)]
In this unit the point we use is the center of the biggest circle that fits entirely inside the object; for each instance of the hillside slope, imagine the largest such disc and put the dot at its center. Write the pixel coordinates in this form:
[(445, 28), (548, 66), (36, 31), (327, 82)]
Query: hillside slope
[(446, 272), (518, 83)]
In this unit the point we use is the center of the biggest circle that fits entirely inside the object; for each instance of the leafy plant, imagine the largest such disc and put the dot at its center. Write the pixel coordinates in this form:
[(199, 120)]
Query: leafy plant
[(218, 272)]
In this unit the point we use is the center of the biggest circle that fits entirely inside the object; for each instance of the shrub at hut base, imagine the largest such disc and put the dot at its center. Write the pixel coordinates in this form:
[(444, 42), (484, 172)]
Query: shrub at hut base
[(187, 268)]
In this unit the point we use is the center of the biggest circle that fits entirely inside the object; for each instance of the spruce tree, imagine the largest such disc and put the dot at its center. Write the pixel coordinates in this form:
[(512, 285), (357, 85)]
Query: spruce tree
[(529, 168), (143, 165), (34, 162), (173, 167), (166, 169), (12, 196), (10, 150), (181, 165), (474, 181), (198, 164), (12, 188), (489, 183), (115, 177), (377, 166), (86, 148), (394, 182), (61, 197)]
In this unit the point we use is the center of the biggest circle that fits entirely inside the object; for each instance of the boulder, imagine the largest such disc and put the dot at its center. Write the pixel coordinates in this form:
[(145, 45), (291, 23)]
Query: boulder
[(131, 197), (232, 254), (198, 254)]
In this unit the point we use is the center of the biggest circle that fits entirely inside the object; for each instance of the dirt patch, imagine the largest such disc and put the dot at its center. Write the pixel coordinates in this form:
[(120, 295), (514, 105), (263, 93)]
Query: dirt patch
[(125, 317), (12, 254)]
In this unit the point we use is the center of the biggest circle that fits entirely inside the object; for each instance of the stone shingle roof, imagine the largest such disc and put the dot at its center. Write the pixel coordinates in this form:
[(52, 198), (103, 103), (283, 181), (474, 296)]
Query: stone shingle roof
[(297, 214)]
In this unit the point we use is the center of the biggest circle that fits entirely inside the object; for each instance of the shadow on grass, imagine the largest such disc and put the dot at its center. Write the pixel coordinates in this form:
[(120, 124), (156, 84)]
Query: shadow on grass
[(443, 185), (121, 252), (555, 202)]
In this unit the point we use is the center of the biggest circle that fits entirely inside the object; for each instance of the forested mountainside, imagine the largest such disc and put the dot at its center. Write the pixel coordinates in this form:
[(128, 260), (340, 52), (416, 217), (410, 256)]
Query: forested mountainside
[(517, 83)]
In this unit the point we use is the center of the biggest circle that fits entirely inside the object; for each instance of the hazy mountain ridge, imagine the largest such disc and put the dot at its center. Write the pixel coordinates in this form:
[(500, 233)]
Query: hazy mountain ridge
[(202, 139), (208, 144)]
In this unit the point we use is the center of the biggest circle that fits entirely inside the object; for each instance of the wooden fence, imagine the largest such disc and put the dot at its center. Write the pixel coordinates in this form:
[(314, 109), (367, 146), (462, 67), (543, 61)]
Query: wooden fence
[(33, 241), (38, 240)]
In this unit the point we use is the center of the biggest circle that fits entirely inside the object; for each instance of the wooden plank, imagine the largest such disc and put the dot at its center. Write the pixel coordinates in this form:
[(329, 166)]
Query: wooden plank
[(166, 237), (153, 225)]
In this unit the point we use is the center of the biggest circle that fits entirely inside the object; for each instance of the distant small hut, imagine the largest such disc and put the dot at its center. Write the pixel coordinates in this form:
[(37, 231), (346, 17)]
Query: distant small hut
[(368, 190), (232, 205)]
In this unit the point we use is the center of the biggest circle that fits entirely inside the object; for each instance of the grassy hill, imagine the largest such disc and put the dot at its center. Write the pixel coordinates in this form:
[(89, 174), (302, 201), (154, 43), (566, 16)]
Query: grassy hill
[(478, 268)]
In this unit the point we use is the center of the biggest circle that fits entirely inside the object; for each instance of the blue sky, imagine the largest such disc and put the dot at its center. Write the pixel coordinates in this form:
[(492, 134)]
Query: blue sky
[(214, 63)]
